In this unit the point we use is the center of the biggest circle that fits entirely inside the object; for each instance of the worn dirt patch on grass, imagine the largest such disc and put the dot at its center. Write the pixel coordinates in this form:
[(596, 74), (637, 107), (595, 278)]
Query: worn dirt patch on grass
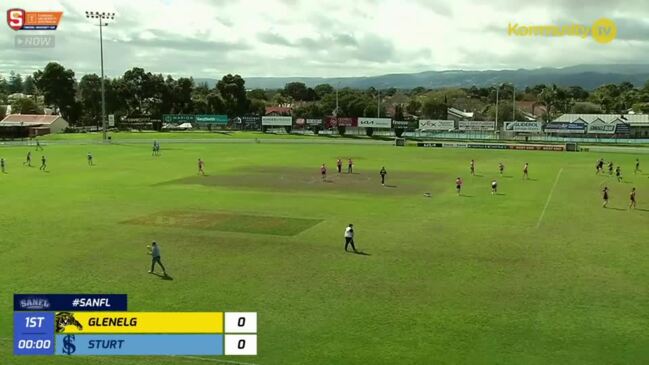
[(295, 179), (228, 222)]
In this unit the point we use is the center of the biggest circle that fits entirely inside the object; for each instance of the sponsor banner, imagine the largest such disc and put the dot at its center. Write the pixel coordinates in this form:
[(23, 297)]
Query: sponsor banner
[(530, 147), (70, 302), (333, 122), (564, 127), (436, 125), (145, 322), (251, 120), (314, 122), (299, 122), (488, 146), (178, 118), (400, 124), (445, 145), (601, 128), (494, 146), (622, 128), (535, 126), (136, 120), (375, 123), (427, 144), (211, 118), (455, 145), (276, 121), (139, 344), (476, 125), (19, 19)]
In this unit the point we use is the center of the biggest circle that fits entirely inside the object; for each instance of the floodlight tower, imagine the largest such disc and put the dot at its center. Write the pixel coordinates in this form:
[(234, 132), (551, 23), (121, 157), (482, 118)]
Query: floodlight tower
[(102, 18)]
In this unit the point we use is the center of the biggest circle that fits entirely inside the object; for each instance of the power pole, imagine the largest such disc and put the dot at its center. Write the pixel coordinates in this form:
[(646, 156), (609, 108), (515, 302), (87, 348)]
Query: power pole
[(378, 104)]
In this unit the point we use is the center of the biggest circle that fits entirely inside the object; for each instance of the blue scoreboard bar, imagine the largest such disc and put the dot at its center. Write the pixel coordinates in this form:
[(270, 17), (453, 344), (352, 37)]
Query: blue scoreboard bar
[(33, 333), (70, 302)]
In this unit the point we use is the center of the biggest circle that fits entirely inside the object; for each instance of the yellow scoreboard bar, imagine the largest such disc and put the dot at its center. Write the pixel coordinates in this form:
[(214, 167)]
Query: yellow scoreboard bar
[(139, 322)]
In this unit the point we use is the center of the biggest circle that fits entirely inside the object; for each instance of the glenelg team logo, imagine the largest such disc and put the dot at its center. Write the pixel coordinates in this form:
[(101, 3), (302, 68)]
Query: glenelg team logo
[(19, 19)]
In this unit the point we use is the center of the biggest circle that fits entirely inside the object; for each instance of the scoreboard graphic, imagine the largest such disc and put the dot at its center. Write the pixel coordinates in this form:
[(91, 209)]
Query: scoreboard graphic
[(97, 324)]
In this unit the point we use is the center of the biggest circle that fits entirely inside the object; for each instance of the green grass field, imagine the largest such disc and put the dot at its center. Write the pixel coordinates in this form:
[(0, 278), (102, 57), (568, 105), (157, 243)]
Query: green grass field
[(538, 274)]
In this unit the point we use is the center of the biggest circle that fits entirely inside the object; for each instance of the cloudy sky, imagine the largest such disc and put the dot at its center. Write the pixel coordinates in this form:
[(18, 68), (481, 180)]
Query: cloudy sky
[(208, 38)]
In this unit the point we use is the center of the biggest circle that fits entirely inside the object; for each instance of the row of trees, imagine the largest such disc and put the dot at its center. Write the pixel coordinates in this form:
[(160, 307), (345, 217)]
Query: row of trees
[(140, 93), (137, 93)]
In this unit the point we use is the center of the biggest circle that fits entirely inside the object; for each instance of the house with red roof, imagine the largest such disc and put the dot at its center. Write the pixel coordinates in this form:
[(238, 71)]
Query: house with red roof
[(32, 125)]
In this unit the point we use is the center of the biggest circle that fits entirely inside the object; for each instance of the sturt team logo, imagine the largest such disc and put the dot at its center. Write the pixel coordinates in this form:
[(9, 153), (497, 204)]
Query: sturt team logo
[(19, 19), (16, 18)]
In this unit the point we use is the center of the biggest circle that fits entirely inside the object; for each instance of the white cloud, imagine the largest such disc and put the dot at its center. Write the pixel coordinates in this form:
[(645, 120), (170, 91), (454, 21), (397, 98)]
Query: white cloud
[(207, 38)]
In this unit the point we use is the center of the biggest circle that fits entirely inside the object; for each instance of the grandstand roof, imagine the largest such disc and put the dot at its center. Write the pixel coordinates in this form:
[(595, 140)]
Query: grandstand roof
[(632, 119), (460, 113), (29, 119)]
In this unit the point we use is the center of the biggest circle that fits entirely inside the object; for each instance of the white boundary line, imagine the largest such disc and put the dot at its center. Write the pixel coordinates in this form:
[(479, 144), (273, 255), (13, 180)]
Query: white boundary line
[(547, 202), (215, 360)]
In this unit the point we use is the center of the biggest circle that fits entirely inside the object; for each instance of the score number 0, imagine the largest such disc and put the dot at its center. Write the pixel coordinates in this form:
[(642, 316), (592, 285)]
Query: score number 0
[(240, 329)]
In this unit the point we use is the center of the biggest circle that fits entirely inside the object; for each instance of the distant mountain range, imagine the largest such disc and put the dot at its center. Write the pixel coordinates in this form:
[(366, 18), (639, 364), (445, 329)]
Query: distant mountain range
[(587, 76)]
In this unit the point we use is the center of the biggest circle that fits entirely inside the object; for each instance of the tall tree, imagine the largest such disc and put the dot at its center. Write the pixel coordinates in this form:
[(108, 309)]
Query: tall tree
[(398, 112), (233, 91), (417, 91), (259, 94), (215, 103), (310, 95), (607, 96), (114, 104), (4, 86), (4, 90), (57, 85), (90, 99), (434, 108), (25, 106), (548, 97), (183, 95), (295, 90), (29, 85), (584, 107), (413, 107), (154, 93), (132, 89), (311, 110), (504, 112), (578, 93), (168, 98), (257, 107), (389, 91), (323, 89), (199, 99), (15, 83)]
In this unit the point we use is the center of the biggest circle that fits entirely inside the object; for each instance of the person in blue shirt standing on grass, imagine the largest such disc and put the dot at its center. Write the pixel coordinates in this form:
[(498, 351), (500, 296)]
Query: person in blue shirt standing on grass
[(154, 251)]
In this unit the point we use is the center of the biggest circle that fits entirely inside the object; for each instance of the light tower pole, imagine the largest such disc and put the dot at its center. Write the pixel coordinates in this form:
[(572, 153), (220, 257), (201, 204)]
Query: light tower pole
[(102, 19)]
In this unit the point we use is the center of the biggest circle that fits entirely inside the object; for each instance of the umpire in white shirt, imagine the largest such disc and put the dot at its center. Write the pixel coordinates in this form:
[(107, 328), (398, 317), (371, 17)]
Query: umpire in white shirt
[(349, 237)]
